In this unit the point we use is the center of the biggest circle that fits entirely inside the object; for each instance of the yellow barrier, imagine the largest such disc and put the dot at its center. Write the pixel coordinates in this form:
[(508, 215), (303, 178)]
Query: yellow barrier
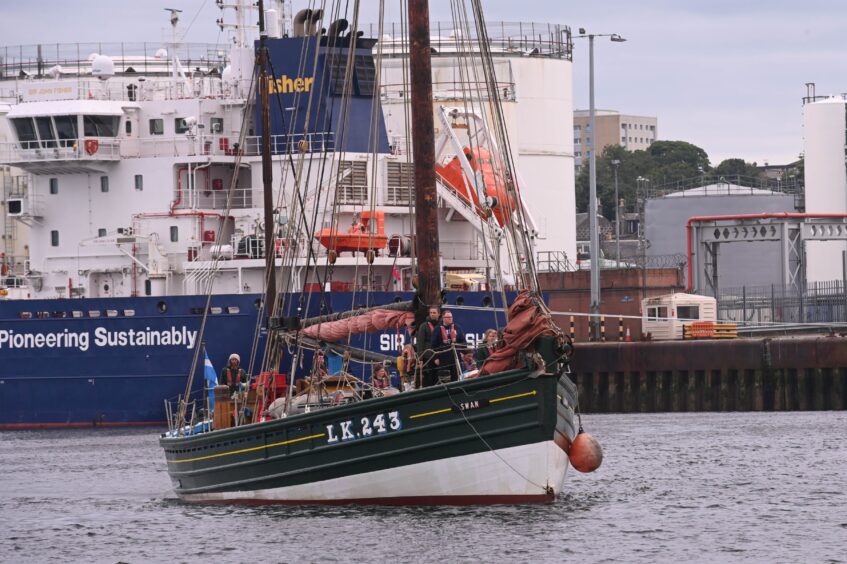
[(709, 330)]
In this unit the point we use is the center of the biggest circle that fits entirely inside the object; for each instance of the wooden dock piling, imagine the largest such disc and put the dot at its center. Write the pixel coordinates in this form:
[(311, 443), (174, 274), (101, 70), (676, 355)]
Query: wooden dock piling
[(764, 374)]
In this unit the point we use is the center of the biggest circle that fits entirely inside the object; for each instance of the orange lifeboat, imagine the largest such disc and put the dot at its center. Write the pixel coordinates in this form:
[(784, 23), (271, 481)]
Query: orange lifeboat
[(495, 185), (367, 233)]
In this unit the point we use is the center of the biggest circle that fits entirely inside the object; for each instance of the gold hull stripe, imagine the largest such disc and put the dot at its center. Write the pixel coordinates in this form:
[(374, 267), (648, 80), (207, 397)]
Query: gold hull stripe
[(436, 412), (251, 449)]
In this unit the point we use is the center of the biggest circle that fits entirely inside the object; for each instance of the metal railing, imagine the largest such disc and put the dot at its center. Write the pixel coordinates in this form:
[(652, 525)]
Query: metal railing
[(817, 302), (36, 60), (156, 146), (727, 184), (97, 149), (517, 38)]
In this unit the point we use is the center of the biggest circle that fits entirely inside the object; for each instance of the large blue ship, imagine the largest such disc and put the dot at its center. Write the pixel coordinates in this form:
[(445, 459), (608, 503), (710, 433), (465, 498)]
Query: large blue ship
[(132, 184), (113, 362)]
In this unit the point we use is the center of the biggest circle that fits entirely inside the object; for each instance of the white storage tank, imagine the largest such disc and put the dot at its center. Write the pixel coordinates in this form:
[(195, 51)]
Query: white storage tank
[(824, 126)]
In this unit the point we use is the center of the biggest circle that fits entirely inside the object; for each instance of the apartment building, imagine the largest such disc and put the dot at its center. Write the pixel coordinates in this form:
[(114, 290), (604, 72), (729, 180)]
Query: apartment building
[(613, 128)]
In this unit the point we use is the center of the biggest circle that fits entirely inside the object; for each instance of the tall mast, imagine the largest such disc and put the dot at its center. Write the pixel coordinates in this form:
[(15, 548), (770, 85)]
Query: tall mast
[(267, 171), (423, 144)]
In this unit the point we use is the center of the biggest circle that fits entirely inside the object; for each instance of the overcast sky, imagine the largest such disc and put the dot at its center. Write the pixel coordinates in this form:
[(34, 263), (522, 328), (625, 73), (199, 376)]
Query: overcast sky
[(726, 75)]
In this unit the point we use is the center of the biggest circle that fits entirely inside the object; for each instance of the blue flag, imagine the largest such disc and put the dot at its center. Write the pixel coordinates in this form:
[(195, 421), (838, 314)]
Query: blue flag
[(211, 378)]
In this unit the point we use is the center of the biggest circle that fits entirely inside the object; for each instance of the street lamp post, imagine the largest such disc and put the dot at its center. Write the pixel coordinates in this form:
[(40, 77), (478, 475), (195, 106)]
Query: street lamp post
[(594, 242), (616, 163)]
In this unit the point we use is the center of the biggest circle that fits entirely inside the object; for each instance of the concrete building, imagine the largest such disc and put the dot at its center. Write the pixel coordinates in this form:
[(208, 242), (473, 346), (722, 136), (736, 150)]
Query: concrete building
[(613, 128)]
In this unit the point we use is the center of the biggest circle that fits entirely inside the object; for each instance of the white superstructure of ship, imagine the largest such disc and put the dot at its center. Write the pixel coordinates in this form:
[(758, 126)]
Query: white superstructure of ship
[(121, 158)]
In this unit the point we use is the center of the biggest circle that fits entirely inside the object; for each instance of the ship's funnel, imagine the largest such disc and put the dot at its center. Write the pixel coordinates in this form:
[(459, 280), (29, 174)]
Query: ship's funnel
[(299, 24)]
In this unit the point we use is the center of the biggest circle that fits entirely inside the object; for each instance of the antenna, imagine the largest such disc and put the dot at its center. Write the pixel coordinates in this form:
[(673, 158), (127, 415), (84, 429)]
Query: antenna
[(174, 15)]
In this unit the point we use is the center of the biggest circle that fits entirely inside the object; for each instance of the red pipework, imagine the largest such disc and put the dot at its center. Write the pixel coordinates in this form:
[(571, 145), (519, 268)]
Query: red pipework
[(178, 200), (179, 171), (774, 215)]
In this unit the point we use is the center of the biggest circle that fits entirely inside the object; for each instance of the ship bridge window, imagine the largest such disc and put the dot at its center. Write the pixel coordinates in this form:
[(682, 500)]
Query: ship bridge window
[(25, 130), (66, 130), (46, 131), (101, 126)]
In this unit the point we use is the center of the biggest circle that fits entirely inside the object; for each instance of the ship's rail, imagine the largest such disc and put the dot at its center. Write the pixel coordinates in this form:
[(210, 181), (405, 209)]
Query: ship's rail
[(221, 145), (23, 61), (148, 58), (509, 38)]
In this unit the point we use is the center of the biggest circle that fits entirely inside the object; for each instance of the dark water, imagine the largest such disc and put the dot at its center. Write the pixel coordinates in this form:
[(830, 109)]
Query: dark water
[(716, 487)]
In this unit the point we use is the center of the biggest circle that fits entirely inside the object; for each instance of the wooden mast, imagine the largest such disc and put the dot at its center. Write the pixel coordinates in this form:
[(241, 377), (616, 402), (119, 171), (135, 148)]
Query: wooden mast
[(267, 170), (423, 143)]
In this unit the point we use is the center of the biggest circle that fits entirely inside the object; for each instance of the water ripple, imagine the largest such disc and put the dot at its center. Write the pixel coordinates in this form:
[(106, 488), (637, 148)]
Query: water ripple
[(727, 487)]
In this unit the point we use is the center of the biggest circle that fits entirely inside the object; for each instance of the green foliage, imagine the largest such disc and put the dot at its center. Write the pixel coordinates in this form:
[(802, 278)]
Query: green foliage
[(736, 167), (662, 163)]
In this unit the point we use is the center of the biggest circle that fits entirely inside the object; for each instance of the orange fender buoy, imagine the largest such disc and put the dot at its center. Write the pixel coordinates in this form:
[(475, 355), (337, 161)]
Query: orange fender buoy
[(585, 453)]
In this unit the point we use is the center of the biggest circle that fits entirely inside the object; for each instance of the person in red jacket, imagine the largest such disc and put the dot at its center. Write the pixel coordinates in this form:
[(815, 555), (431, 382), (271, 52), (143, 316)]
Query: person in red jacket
[(233, 375), (445, 338)]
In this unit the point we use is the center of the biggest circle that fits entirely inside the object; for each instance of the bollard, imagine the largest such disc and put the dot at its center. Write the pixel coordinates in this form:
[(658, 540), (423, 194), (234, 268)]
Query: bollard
[(603, 328), (620, 328), (572, 330)]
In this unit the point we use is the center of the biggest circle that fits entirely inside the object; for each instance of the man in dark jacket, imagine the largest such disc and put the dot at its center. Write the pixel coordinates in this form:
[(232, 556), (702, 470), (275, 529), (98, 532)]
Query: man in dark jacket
[(423, 342), (233, 375), (445, 338)]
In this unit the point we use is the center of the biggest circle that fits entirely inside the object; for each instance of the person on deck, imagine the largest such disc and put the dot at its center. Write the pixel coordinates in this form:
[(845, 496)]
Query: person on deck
[(381, 380), (233, 375), (423, 340), (484, 350), (467, 361), (445, 338)]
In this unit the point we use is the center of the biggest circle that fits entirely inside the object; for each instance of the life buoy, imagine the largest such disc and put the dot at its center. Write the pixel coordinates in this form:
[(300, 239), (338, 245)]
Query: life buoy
[(4, 292), (91, 146)]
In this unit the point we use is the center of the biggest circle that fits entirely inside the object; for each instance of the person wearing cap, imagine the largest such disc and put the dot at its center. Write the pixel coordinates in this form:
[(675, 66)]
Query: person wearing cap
[(233, 375)]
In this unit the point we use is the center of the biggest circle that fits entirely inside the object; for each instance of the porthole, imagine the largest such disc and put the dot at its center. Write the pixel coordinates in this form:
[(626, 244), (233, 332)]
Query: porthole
[(162, 307)]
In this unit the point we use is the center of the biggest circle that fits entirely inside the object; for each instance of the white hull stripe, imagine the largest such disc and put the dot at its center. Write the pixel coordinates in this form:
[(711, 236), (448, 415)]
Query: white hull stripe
[(527, 471)]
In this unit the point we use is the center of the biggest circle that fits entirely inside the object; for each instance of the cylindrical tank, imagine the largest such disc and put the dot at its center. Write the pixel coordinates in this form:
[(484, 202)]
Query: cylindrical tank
[(826, 180)]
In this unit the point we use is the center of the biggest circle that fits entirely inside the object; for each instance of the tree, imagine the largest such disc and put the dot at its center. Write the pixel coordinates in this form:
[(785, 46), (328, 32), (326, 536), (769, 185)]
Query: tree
[(632, 165), (736, 167), (675, 161)]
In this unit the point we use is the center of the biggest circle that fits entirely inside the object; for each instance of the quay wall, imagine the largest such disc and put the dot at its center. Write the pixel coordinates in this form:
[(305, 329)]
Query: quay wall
[(804, 373)]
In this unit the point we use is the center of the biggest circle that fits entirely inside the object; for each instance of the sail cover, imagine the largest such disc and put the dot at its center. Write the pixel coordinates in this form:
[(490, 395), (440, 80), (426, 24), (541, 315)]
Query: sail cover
[(374, 320)]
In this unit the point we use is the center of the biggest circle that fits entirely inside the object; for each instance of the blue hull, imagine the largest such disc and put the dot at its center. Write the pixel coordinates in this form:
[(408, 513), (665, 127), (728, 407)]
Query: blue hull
[(63, 367)]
